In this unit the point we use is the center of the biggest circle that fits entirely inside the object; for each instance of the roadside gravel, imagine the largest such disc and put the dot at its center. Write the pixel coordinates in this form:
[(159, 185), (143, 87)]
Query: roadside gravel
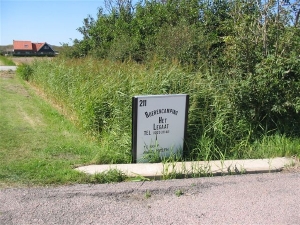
[(245, 199)]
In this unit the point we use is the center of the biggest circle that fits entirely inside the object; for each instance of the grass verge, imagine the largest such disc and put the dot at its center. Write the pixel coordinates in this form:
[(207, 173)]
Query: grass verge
[(38, 146), (6, 61)]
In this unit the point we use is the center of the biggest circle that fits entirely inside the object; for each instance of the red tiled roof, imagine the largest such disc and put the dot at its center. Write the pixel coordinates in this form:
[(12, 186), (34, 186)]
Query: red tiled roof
[(36, 46), (29, 46), (22, 45)]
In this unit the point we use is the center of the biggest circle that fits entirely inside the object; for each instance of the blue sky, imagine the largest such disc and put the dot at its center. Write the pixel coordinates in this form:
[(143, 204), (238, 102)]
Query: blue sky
[(50, 21)]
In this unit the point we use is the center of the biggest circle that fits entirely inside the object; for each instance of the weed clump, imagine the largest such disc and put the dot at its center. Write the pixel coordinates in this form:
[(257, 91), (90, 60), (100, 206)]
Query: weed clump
[(24, 71), (109, 176), (178, 193)]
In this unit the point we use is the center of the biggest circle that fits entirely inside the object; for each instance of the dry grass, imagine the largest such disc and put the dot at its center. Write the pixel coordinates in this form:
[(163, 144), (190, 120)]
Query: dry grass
[(295, 168), (28, 60), (7, 74)]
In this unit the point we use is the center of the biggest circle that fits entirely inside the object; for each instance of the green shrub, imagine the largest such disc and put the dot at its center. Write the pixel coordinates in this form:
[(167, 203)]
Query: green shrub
[(25, 71), (269, 99)]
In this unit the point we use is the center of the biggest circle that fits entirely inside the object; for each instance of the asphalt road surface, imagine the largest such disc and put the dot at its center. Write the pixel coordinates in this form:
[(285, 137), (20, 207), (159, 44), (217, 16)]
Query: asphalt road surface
[(243, 199)]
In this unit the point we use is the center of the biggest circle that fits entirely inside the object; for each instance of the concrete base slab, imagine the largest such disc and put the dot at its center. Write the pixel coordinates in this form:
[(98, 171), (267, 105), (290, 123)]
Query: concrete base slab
[(157, 170), (8, 68)]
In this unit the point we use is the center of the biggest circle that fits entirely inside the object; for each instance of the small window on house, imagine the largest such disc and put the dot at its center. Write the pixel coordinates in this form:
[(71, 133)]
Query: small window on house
[(26, 46), (46, 47)]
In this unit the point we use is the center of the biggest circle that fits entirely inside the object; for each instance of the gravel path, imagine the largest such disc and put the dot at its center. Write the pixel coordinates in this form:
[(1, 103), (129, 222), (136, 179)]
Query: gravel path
[(245, 199)]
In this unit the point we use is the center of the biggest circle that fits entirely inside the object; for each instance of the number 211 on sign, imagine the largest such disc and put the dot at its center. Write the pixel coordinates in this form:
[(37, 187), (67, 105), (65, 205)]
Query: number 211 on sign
[(143, 103)]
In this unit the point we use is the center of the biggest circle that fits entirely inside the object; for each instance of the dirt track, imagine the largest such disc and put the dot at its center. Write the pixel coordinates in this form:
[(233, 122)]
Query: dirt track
[(244, 199)]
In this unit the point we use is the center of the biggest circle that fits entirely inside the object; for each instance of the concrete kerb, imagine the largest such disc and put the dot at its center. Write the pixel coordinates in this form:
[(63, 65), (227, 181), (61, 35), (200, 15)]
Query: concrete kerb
[(8, 68), (217, 167)]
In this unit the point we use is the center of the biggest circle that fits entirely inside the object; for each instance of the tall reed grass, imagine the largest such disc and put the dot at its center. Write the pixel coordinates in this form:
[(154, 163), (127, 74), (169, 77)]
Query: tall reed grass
[(97, 95)]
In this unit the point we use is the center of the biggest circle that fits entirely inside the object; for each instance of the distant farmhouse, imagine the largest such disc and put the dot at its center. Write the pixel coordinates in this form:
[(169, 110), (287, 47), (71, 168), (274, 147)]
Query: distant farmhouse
[(27, 48)]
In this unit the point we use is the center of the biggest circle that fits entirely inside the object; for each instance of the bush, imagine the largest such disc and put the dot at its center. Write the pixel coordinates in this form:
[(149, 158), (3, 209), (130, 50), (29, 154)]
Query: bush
[(269, 98), (24, 71)]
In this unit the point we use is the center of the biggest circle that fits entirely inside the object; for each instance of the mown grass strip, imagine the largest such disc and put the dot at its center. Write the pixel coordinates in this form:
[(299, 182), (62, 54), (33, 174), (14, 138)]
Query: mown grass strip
[(38, 145), (6, 61)]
